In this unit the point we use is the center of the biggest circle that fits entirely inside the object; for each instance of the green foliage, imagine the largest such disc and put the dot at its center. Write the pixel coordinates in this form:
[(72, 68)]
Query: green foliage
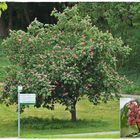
[(4, 63), (3, 7), (124, 118), (62, 62), (121, 19), (134, 76)]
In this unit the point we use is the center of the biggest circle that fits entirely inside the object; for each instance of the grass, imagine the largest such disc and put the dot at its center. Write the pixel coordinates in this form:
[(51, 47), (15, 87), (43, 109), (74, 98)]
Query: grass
[(43, 123)]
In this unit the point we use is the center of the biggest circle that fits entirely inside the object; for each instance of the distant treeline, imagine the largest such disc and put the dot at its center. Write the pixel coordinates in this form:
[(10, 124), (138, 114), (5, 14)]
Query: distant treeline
[(20, 15)]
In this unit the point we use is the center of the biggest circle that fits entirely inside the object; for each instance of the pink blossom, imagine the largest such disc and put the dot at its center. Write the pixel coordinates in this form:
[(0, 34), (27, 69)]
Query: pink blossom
[(83, 36), (91, 53), (90, 40), (132, 104), (82, 43), (139, 113), (65, 94), (131, 113), (138, 120), (39, 76), (56, 82), (49, 81), (84, 53), (75, 56), (131, 120)]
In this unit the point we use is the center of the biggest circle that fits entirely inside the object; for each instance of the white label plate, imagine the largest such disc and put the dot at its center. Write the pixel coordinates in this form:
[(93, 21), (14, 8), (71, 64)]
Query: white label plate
[(27, 98)]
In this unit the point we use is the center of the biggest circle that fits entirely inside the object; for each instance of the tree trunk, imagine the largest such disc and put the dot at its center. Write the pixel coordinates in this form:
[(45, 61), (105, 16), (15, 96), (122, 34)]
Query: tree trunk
[(138, 126), (10, 14), (26, 14), (73, 112), (2, 28)]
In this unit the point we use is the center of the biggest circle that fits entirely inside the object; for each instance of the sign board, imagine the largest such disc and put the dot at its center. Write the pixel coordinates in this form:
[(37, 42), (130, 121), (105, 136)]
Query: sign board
[(24, 98), (27, 98)]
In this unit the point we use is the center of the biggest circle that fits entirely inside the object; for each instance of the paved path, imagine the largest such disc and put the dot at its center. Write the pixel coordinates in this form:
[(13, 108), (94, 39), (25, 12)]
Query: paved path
[(131, 96), (88, 134), (80, 134)]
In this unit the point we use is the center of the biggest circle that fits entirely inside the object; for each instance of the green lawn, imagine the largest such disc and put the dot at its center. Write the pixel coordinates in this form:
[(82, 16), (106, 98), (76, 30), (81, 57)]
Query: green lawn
[(42, 122)]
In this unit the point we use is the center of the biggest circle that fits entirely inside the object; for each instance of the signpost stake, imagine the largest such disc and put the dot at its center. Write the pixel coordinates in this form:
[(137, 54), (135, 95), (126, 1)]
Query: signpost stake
[(19, 90), (18, 114)]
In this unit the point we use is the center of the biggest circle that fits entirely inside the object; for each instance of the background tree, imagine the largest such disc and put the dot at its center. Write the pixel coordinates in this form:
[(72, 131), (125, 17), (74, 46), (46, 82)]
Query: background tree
[(122, 20), (3, 7), (19, 15), (63, 62)]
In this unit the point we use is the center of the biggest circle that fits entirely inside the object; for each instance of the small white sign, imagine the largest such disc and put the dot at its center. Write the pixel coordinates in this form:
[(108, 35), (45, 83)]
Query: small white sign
[(27, 98)]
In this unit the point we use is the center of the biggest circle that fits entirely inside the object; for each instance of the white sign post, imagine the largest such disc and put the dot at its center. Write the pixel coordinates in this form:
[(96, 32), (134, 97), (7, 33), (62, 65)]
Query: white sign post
[(19, 90), (24, 98)]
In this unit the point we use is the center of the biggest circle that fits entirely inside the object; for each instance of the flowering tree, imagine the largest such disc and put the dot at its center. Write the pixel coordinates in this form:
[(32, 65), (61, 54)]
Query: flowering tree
[(63, 62), (134, 114)]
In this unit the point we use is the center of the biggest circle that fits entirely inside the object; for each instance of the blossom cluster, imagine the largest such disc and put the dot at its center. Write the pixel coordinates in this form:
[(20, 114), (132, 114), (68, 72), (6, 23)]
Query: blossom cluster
[(133, 113)]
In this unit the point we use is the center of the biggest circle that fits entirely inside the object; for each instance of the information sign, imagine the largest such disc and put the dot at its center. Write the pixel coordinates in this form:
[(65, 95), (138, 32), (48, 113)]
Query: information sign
[(27, 98)]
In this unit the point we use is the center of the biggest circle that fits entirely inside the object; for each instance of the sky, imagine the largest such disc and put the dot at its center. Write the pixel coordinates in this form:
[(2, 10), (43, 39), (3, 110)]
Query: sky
[(123, 101)]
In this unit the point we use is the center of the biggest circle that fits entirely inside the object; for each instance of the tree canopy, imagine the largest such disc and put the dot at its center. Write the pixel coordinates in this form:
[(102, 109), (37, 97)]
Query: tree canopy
[(62, 62), (122, 20)]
